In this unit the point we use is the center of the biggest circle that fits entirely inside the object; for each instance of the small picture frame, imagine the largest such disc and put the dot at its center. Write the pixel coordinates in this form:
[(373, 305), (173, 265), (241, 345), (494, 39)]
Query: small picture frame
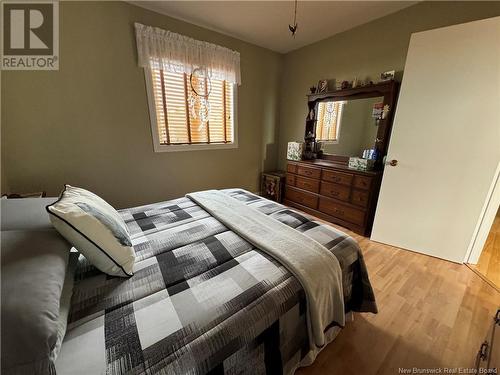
[(387, 76), (322, 86), (377, 110)]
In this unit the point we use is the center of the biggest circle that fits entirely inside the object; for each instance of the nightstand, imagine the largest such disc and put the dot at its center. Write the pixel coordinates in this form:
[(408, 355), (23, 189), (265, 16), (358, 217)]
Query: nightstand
[(38, 194), (272, 185)]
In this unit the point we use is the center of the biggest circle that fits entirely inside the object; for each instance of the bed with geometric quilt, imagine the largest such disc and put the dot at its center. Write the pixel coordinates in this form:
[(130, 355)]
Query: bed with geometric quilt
[(202, 299)]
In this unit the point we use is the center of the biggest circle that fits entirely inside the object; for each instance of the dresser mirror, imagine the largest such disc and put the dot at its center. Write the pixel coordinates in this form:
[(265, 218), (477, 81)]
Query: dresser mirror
[(347, 127), (346, 122)]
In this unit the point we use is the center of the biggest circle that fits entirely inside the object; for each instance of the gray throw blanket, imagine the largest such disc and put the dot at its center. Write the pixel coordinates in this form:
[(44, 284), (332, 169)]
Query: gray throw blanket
[(316, 268)]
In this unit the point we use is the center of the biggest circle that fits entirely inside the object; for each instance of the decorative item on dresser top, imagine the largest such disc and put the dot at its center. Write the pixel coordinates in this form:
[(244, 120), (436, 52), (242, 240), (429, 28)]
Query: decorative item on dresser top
[(329, 186), (295, 150)]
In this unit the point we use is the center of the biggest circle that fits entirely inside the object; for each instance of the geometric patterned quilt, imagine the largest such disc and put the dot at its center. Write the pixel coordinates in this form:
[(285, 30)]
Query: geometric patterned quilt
[(202, 300)]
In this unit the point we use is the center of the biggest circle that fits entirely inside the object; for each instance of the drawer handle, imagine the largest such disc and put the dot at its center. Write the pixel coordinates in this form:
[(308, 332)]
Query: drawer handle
[(337, 211), (307, 172), (334, 193), (337, 179)]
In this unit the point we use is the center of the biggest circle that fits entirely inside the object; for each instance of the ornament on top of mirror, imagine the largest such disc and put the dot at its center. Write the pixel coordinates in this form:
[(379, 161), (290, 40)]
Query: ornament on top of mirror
[(345, 85), (387, 76), (367, 82), (322, 86)]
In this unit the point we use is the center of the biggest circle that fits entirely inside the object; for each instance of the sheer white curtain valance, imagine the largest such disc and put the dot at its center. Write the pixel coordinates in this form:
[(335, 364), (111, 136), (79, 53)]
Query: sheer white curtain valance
[(177, 53)]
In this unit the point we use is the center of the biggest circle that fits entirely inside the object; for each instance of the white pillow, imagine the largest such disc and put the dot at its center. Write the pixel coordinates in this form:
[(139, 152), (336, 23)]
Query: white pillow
[(95, 229)]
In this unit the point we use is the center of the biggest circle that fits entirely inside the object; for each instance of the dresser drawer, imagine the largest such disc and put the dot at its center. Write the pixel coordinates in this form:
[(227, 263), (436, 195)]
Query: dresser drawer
[(360, 197), (362, 182), (307, 184), (335, 191), (290, 179), (291, 168), (341, 211), (301, 197), (337, 177), (308, 171)]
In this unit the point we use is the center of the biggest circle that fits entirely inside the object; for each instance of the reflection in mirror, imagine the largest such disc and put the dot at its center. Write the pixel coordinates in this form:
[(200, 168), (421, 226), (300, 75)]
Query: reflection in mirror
[(347, 127)]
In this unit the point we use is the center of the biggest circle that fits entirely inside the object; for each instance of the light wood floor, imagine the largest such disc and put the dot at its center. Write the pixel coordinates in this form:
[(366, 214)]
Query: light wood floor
[(432, 313), (489, 261)]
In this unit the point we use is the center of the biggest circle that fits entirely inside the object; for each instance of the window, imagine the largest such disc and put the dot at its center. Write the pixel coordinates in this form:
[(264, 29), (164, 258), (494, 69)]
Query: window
[(188, 110), (177, 111), (329, 117)]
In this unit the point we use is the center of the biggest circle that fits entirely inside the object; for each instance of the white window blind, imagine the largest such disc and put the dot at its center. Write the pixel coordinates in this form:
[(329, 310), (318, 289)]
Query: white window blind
[(329, 117), (179, 124)]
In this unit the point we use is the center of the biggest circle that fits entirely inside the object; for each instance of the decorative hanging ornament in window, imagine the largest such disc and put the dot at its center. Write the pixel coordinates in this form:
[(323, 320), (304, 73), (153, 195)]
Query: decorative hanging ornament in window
[(331, 113), (201, 87)]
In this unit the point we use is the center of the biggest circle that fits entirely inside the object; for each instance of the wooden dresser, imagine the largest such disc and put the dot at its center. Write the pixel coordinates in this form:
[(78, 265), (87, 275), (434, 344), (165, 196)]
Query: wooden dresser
[(333, 192)]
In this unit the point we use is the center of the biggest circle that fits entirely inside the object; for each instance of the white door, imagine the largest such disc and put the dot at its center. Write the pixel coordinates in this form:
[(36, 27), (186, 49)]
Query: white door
[(446, 140)]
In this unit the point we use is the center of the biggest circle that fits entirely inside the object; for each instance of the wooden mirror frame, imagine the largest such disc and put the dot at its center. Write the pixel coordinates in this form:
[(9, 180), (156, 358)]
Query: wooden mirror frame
[(388, 90)]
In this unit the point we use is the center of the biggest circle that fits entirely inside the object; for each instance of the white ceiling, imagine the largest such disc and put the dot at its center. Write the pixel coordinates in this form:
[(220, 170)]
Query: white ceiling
[(265, 23)]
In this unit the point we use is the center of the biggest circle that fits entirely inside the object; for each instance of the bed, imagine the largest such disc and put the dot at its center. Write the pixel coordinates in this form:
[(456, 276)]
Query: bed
[(202, 299)]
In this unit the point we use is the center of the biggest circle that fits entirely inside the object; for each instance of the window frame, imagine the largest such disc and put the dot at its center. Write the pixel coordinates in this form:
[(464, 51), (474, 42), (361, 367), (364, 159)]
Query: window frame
[(159, 147), (337, 130)]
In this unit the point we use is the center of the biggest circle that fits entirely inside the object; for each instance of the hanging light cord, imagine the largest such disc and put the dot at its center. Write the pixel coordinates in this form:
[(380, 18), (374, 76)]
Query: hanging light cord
[(295, 14), (293, 28)]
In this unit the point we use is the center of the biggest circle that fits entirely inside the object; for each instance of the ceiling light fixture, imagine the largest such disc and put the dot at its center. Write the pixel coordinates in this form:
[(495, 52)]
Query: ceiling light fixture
[(293, 28)]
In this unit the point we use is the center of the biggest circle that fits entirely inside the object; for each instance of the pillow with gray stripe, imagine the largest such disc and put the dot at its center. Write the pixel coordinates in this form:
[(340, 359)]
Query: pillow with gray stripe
[(95, 229)]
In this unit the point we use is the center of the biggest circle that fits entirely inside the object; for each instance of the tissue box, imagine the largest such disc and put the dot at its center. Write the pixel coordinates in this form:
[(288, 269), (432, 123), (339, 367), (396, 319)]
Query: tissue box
[(294, 151), (361, 164)]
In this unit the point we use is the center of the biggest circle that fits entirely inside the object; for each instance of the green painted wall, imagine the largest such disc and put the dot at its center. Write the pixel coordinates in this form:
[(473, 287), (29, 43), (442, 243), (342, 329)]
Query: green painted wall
[(88, 123), (362, 52)]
